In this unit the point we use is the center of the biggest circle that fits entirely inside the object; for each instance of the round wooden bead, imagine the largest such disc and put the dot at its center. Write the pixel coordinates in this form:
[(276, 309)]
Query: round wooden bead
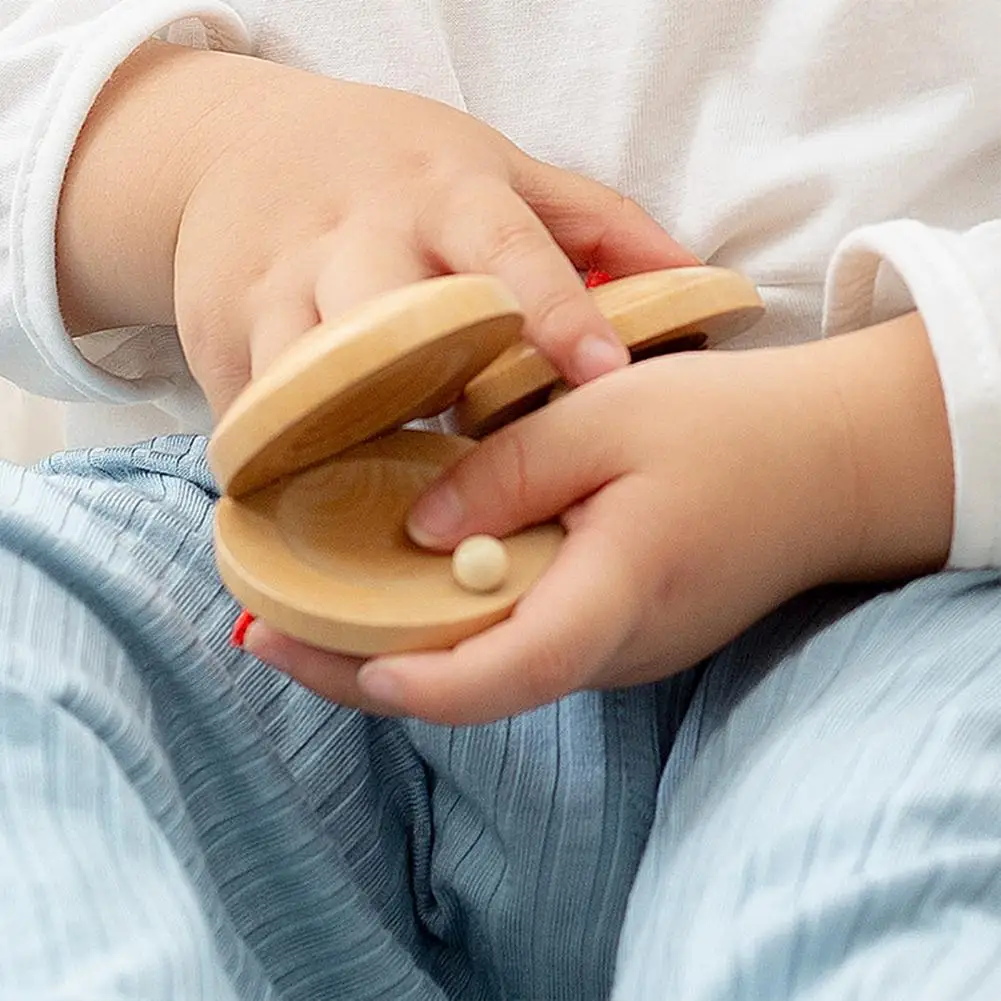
[(480, 563)]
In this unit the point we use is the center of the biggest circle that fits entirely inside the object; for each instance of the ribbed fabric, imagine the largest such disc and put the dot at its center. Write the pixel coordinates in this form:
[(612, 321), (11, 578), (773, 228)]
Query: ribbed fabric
[(178, 822), (829, 823)]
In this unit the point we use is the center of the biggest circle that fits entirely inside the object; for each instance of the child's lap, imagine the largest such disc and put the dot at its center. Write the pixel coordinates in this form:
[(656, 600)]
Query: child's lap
[(830, 794), (829, 824), (328, 854)]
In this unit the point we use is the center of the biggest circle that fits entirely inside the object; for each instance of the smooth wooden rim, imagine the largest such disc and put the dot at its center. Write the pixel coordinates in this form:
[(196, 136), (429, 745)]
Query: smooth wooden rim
[(422, 606), (445, 329), (646, 309)]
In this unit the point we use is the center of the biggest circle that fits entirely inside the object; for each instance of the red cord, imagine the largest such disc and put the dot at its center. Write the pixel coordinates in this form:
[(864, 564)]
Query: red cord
[(239, 633), (596, 277)]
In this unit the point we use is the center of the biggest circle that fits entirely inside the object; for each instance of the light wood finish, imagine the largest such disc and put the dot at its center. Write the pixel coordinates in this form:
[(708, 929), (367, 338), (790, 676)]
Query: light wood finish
[(323, 556), (318, 478), (404, 355), (649, 311)]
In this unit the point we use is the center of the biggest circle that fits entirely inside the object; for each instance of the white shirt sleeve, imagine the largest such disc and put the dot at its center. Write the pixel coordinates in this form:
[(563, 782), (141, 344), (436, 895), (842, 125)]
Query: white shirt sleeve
[(54, 59), (954, 281)]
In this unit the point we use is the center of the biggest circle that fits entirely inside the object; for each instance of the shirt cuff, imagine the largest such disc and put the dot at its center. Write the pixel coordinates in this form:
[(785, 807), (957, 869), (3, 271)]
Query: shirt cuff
[(954, 281), (51, 363)]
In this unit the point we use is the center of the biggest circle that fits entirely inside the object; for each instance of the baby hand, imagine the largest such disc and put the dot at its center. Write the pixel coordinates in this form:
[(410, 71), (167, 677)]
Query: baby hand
[(281, 198), (697, 492)]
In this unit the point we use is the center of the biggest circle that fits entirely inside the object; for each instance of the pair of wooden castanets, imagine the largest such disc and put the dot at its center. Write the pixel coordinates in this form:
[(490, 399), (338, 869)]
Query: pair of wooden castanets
[(318, 474)]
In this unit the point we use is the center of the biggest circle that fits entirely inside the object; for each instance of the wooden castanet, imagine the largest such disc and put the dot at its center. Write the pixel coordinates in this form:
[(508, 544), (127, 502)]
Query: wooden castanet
[(401, 356), (323, 555), (317, 475), (652, 313)]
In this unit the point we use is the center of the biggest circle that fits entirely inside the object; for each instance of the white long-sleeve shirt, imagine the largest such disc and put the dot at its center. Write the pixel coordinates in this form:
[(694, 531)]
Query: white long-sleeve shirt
[(845, 154)]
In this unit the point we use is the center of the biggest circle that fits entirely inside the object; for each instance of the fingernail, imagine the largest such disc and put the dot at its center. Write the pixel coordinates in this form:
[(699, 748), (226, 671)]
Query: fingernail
[(597, 355), (238, 634), (381, 687), (436, 516)]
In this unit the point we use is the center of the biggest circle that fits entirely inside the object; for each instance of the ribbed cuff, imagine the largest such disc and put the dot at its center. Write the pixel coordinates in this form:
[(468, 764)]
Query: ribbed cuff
[(954, 281), (86, 64)]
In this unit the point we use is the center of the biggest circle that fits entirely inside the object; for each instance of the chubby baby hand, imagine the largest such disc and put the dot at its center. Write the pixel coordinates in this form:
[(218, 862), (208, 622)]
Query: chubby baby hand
[(697, 493), (282, 198)]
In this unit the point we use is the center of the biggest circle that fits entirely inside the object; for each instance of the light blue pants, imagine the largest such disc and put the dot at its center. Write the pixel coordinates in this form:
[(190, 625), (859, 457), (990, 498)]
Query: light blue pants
[(815, 815)]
